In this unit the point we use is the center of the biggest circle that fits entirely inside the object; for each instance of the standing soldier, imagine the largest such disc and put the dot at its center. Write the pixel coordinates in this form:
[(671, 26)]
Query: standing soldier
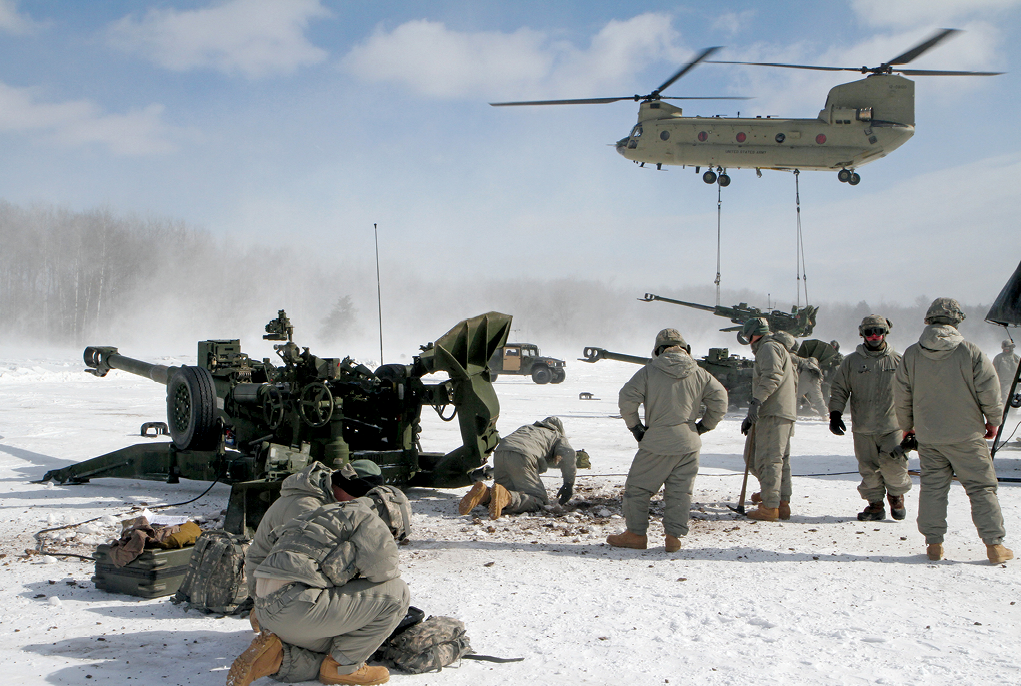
[(673, 388), (947, 394), (770, 421), (1006, 367), (518, 461), (866, 377)]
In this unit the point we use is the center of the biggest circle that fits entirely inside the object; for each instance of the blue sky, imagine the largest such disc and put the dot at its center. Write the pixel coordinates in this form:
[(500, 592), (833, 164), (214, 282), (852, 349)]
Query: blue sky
[(303, 122)]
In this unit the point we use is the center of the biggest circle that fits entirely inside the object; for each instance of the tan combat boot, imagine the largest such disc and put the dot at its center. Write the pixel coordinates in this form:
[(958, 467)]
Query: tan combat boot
[(477, 495), (999, 553), (499, 498), (764, 514), (629, 540), (253, 621), (934, 551), (784, 511), (262, 658), (364, 675), (757, 497), (673, 544)]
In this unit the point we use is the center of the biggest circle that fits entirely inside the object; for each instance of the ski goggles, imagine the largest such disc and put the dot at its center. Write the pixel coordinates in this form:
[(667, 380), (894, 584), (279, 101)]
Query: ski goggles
[(873, 331)]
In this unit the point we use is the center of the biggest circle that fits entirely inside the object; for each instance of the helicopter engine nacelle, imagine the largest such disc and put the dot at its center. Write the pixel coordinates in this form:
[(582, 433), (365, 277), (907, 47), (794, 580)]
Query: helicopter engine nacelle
[(850, 115)]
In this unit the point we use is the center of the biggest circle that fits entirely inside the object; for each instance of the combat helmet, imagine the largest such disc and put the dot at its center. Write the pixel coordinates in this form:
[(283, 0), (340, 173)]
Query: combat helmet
[(944, 311), (874, 321), (756, 326), (393, 507), (1007, 345), (667, 338)]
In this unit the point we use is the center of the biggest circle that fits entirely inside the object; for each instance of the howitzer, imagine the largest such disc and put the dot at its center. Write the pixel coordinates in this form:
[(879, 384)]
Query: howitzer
[(798, 322), (251, 424), (733, 371)]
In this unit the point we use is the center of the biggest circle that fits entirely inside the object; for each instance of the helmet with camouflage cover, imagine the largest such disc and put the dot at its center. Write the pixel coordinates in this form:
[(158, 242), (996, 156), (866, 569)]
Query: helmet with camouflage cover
[(667, 338), (875, 321), (757, 326), (393, 507), (944, 311)]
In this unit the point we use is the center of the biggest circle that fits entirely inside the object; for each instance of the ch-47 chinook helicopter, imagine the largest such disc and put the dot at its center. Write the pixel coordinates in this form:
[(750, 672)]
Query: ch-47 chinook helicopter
[(861, 122)]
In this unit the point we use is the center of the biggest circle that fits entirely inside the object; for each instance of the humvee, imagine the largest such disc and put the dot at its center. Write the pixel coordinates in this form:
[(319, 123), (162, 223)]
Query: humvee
[(523, 359)]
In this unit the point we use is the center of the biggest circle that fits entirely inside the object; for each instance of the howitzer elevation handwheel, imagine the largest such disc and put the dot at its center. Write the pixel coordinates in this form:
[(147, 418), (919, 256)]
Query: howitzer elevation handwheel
[(191, 409), (316, 404)]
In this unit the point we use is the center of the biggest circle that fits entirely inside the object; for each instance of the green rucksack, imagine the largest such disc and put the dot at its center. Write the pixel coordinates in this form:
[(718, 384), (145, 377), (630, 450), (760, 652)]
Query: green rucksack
[(426, 646), (215, 580)]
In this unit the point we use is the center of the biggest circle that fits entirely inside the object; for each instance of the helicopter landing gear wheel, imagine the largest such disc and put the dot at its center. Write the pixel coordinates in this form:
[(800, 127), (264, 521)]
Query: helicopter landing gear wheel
[(709, 176), (316, 404), (724, 180), (843, 175), (854, 180)]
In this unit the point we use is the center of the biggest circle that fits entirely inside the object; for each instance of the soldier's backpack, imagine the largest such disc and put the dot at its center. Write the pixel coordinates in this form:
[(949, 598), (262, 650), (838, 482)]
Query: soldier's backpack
[(215, 580), (426, 646)]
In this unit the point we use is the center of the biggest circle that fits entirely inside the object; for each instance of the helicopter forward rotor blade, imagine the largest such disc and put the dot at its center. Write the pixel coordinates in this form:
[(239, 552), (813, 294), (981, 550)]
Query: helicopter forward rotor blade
[(579, 101), (923, 47), (686, 68), (786, 66), (600, 101), (934, 72)]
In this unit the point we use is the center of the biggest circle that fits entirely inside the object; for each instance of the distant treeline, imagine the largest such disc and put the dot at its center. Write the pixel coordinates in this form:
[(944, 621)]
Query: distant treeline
[(92, 277)]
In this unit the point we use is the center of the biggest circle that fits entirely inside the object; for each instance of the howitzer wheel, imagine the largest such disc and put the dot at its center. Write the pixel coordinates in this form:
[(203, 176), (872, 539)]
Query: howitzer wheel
[(273, 410), (191, 409), (316, 404)]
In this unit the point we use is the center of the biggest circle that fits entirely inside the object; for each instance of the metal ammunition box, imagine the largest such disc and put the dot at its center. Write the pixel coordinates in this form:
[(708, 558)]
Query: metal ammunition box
[(152, 574)]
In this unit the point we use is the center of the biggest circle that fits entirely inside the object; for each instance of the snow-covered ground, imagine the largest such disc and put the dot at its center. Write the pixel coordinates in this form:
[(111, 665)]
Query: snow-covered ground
[(821, 599)]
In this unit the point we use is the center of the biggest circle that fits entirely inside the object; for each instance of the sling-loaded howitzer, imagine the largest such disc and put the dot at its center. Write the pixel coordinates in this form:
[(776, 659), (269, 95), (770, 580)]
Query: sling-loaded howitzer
[(250, 424), (733, 371), (798, 322)]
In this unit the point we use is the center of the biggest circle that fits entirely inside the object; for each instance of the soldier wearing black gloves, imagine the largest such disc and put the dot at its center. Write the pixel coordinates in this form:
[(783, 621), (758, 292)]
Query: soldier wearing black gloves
[(865, 377), (672, 387)]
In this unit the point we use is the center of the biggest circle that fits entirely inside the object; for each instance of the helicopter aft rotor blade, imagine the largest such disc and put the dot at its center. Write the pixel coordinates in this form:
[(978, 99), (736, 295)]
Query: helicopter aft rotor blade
[(922, 47), (885, 67)]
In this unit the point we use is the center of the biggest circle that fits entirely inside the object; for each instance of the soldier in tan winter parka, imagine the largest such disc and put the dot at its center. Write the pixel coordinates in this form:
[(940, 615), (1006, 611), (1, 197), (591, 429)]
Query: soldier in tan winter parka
[(770, 421), (672, 387), (947, 394), (866, 379)]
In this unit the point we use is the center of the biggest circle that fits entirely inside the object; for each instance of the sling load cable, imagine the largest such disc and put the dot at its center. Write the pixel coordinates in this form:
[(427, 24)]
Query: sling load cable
[(719, 211), (800, 258)]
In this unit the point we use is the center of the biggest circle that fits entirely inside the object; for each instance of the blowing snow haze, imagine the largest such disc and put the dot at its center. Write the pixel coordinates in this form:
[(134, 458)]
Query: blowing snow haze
[(177, 171)]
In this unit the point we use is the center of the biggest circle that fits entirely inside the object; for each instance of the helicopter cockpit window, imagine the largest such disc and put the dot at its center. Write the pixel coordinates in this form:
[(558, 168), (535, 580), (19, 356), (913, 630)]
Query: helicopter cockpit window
[(637, 131)]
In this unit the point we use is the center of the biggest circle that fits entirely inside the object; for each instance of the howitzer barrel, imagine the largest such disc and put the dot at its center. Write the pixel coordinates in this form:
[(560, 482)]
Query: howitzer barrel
[(596, 354), (651, 297), (101, 359)]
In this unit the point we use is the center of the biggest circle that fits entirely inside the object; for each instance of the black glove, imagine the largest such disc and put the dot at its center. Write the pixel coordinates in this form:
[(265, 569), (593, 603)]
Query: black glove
[(565, 493), (836, 423), (638, 431), (907, 445), (753, 416), (700, 427)]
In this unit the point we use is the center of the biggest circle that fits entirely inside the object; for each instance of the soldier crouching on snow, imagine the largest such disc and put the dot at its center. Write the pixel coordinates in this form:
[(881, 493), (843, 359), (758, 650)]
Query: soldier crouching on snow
[(518, 461), (866, 378), (673, 388), (329, 593), (947, 394)]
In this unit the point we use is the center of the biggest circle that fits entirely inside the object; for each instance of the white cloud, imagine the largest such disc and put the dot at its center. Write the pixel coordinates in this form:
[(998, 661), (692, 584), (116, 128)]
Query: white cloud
[(256, 38), (906, 13), (733, 22), (433, 60), (13, 22), (75, 123)]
